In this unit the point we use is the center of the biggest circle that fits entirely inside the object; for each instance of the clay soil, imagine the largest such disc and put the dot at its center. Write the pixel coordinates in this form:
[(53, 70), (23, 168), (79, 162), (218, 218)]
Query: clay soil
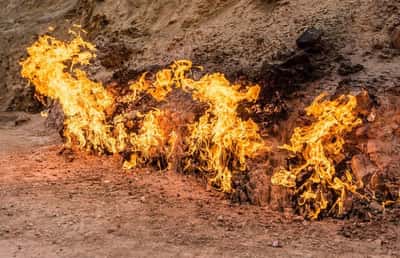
[(58, 204)]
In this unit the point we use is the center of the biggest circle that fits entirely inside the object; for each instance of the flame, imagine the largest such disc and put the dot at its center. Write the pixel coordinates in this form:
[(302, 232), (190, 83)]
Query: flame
[(84, 102), (152, 140), (220, 140), (320, 145)]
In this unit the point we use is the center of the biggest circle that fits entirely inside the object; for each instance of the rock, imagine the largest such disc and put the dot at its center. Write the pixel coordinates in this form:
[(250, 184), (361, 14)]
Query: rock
[(362, 167), (286, 75), (376, 206), (365, 103), (102, 76), (114, 55), (243, 198), (396, 38), (347, 204), (259, 187), (24, 100), (372, 146), (380, 153), (276, 244), (309, 38), (298, 218), (361, 131), (55, 118), (375, 146), (110, 230), (347, 68), (21, 119), (371, 117), (220, 218)]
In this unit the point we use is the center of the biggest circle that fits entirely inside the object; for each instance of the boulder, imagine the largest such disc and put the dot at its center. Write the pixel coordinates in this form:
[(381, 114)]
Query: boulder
[(362, 168), (309, 38)]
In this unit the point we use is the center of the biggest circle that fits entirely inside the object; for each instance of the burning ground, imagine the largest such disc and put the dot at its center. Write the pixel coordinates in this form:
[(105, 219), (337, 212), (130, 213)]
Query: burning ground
[(174, 157)]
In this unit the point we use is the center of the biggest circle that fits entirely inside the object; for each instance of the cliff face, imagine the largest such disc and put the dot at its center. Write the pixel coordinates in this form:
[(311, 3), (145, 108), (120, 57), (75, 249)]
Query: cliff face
[(234, 37), (20, 23)]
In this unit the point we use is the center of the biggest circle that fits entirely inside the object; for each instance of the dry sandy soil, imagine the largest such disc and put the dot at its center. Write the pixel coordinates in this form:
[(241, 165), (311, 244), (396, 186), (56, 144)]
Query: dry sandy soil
[(233, 37), (58, 204)]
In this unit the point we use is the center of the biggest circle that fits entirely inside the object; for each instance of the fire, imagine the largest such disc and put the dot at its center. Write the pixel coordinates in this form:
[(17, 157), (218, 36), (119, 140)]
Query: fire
[(220, 141), (151, 141), (316, 182), (85, 103)]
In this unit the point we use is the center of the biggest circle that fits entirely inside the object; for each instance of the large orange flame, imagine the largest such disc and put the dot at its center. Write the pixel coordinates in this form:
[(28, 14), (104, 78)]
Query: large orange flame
[(220, 142), (320, 145), (220, 139), (85, 103)]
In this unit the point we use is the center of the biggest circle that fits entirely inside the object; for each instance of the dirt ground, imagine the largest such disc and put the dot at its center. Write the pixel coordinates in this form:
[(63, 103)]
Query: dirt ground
[(59, 204)]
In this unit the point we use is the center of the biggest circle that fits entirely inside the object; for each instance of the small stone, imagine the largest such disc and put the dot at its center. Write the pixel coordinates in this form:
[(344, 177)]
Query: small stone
[(142, 199), (298, 218), (220, 218), (347, 234), (371, 117), (276, 244)]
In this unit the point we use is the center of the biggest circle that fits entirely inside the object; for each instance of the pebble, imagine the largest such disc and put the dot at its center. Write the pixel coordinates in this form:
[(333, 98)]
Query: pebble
[(276, 244), (371, 117)]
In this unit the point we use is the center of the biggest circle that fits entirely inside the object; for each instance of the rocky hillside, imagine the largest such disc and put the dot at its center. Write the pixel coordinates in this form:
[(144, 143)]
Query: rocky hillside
[(237, 37)]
